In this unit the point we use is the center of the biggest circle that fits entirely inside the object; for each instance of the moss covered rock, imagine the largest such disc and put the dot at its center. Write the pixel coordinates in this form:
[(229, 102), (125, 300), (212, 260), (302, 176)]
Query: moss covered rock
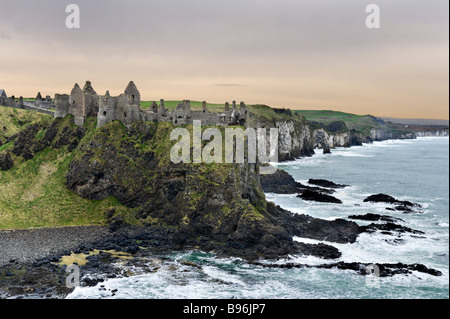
[(6, 161), (219, 207)]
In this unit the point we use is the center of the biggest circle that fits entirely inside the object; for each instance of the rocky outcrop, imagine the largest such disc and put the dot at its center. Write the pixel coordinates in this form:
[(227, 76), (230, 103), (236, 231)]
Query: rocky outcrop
[(403, 206), (336, 134), (217, 206), (378, 134), (23, 141), (325, 183), (389, 229), (361, 129), (38, 136), (6, 161), (338, 230), (321, 140), (383, 270), (280, 182), (375, 217), (316, 196)]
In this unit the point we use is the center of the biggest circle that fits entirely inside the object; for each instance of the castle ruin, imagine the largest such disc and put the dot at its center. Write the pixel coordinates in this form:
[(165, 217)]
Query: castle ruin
[(126, 109), (10, 101)]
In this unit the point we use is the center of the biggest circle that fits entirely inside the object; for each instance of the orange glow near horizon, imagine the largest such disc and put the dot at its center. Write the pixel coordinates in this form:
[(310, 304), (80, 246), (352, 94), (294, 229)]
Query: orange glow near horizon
[(310, 56)]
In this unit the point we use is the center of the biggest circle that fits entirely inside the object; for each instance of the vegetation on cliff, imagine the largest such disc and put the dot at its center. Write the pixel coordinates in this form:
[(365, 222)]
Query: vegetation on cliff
[(32, 189), (62, 174), (341, 122)]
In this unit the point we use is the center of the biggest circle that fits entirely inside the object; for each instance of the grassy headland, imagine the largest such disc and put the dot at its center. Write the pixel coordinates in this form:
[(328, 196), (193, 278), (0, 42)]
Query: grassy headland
[(363, 123), (33, 191)]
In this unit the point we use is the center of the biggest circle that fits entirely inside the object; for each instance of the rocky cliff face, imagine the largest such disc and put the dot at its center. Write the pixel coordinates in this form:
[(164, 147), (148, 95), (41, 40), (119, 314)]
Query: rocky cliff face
[(298, 137), (295, 132), (337, 134), (345, 139), (441, 133), (382, 135), (214, 206)]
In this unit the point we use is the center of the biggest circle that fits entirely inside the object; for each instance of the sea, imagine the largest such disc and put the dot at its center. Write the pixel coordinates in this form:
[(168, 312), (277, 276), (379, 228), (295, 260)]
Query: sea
[(414, 170)]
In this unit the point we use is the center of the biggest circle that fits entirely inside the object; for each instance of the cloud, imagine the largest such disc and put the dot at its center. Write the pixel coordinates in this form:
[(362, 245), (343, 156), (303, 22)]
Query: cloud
[(301, 52)]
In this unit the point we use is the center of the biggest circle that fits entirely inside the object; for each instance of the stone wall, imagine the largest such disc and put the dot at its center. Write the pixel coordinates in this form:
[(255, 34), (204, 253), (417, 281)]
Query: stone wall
[(30, 106), (62, 101), (107, 109)]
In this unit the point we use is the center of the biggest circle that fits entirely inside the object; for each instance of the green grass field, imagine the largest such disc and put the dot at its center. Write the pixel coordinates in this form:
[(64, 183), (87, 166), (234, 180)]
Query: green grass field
[(362, 123), (330, 116), (33, 193)]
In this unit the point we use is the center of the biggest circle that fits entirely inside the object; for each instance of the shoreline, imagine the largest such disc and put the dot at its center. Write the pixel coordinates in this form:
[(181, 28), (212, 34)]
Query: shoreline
[(38, 249), (32, 264), (352, 146), (28, 245)]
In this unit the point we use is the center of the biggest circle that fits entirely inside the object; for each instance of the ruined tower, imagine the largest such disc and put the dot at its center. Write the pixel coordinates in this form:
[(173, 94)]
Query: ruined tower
[(90, 100), (107, 109), (132, 93), (38, 98), (76, 104)]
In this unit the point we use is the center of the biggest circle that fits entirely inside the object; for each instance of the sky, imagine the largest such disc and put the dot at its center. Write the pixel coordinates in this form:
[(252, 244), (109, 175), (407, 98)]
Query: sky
[(298, 54)]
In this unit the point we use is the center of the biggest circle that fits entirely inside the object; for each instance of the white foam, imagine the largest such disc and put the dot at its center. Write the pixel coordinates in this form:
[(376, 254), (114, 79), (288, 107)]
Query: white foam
[(352, 153), (233, 278)]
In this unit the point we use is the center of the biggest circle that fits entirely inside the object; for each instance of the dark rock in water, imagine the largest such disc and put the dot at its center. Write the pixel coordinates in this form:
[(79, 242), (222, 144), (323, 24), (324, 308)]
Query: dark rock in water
[(381, 198), (390, 227), (132, 249), (375, 217), (88, 282), (339, 230), (383, 270), (312, 195), (395, 241), (424, 269), (404, 206), (280, 182), (320, 250), (407, 209), (325, 183)]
